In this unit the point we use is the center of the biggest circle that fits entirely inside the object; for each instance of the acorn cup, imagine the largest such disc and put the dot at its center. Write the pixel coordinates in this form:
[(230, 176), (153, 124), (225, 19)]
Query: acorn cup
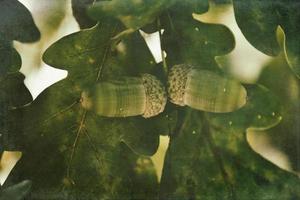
[(204, 90), (129, 96)]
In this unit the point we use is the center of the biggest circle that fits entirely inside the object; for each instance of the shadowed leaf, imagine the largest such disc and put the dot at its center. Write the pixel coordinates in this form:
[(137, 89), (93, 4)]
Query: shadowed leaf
[(205, 163), (258, 20), (189, 41), (16, 22), (286, 135), (79, 8), (16, 192), (91, 160)]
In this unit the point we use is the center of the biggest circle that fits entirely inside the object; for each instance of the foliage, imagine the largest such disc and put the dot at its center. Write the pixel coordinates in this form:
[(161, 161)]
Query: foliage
[(259, 20), (16, 24), (72, 153), (16, 20)]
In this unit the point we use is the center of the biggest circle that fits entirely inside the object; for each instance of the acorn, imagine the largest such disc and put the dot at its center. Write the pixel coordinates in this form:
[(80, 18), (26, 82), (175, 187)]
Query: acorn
[(128, 96), (204, 90)]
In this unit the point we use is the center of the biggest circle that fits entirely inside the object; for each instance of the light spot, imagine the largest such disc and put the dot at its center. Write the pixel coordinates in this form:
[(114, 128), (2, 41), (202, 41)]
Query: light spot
[(196, 29), (91, 60), (273, 113), (224, 89), (230, 123), (280, 117), (146, 162), (68, 182), (258, 116), (205, 42), (78, 47), (194, 132)]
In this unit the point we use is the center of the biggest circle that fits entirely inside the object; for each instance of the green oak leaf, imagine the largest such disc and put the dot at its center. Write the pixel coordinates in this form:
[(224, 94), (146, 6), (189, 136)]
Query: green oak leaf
[(78, 154), (13, 94), (9, 58), (258, 20), (16, 22), (285, 136), (133, 14), (207, 163), (137, 14), (84, 53), (179, 11), (99, 166), (91, 160), (79, 8), (16, 192), (189, 41)]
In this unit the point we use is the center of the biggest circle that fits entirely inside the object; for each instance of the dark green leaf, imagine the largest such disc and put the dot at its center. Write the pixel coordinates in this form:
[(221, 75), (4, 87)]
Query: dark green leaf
[(259, 20), (279, 78), (16, 192), (91, 160), (79, 8), (186, 40), (10, 60), (87, 49), (133, 14), (205, 163), (13, 94), (16, 22), (289, 21)]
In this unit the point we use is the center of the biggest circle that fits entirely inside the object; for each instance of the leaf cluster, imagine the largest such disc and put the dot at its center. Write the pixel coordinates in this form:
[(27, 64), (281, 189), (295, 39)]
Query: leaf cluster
[(72, 153)]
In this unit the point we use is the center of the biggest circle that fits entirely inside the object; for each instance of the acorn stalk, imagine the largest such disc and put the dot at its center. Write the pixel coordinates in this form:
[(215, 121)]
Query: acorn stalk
[(204, 90)]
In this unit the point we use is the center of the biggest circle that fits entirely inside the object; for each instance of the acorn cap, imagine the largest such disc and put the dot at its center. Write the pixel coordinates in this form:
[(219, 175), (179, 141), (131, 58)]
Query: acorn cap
[(156, 97), (177, 80)]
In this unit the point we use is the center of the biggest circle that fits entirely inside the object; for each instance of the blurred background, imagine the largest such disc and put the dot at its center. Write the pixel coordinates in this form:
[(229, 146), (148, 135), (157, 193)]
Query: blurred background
[(280, 144)]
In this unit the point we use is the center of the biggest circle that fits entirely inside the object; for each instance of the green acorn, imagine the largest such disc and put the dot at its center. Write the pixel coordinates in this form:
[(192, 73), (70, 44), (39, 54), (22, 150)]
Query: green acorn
[(204, 90), (129, 96)]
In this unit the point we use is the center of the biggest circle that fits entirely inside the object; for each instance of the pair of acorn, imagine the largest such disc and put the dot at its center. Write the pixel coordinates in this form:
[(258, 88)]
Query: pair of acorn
[(147, 96)]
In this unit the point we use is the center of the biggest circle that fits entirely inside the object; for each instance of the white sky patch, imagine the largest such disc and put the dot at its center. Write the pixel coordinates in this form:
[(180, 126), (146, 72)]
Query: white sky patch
[(153, 43), (38, 80)]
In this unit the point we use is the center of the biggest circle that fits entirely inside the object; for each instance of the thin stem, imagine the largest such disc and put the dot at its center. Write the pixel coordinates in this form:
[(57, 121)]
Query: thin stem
[(93, 147), (62, 111), (102, 63), (165, 66), (81, 125), (106, 51)]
